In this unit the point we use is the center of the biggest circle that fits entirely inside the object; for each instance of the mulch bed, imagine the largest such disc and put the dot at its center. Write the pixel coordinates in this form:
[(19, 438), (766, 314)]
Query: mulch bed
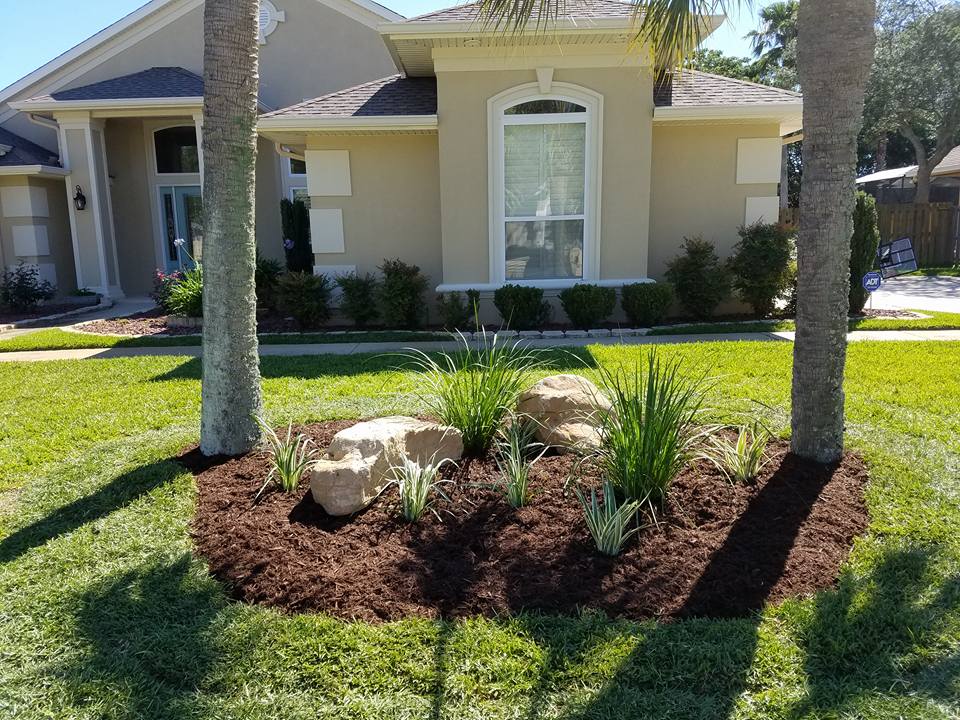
[(877, 313), (154, 322), (38, 312), (719, 550)]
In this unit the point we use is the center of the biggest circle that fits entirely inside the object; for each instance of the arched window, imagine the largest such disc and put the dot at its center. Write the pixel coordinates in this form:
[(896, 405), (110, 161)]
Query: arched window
[(176, 150), (544, 167)]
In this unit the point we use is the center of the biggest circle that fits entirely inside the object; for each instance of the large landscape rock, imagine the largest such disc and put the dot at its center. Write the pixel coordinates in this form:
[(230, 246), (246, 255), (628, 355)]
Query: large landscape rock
[(357, 465), (568, 411)]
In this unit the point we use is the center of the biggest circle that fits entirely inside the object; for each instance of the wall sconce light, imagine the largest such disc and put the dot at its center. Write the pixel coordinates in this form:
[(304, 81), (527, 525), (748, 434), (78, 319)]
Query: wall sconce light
[(79, 199)]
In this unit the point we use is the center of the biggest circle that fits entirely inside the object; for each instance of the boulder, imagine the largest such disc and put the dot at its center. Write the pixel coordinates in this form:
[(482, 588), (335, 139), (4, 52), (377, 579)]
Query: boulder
[(357, 464), (568, 411)]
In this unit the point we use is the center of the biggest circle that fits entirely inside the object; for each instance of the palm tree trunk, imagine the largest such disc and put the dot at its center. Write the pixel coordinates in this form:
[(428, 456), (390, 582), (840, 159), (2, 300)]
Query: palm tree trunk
[(231, 376), (834, 54)]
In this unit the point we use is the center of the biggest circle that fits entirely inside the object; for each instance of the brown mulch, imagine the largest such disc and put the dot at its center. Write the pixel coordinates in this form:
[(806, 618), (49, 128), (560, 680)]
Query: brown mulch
[(38, 312), (720, 550), (154, 322), (877, 313)]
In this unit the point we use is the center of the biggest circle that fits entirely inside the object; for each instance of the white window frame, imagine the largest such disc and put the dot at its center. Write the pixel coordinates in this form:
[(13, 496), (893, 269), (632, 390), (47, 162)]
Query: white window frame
[(153, 150), (496, 121)]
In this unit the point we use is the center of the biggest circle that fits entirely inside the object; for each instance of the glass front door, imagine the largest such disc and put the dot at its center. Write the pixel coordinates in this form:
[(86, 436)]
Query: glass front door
[(181, 209)]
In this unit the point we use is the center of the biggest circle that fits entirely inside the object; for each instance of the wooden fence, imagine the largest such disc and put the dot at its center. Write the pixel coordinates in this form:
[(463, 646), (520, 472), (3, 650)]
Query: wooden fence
[(934, 229)]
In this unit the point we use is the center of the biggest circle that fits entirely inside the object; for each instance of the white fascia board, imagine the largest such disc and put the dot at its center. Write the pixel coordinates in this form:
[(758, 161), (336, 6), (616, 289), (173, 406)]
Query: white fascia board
[(385, 122), (566, 26), (102, 38), (756, 111), (39, 170), (134, 103)]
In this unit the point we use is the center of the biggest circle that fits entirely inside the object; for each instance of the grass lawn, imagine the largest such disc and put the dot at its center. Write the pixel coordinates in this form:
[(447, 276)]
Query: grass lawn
[(936, 321), (56, 339), (951, 271), (106, 614)]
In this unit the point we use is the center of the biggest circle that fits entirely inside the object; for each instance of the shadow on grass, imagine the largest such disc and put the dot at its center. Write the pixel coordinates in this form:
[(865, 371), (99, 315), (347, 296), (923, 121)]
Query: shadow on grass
[(122, 490), (311, 367), (864, 637), (148, 638)]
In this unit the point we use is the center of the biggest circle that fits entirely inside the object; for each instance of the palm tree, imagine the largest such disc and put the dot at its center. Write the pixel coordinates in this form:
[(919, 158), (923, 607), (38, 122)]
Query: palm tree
[(777, 30), (835, 41), (230, 395)]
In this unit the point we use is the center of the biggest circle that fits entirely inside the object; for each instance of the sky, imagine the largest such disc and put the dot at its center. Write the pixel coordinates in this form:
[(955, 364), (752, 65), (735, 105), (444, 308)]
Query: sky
[(37, 31)]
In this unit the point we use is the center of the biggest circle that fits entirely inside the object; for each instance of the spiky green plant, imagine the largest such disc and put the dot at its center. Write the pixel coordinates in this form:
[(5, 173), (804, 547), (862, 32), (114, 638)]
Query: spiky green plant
[(416, 482), (517, 450), (648, 434), (290, 457), (475, 388), (609, 521), (743, 459)]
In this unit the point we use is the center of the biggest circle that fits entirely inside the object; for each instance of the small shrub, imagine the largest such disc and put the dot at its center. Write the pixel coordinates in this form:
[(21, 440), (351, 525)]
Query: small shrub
[(358, 298), (401, 294), (522, 307), (457, 314), (416, 482), (22, 289), (646, 304), (790, 294), (647, 435), (186, 294), (162, 285), (290, 457), (588, 305), (517, 450), (305, 297), (295, 221), (268, 272), (474, 389), (740, 461), (699, 278), (863, 249), (759, 265), (609, 523)]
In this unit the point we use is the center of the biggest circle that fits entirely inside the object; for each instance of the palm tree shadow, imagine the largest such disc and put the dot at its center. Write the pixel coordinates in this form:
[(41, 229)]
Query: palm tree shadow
[(149, 631), (869, 635), (119, 492)]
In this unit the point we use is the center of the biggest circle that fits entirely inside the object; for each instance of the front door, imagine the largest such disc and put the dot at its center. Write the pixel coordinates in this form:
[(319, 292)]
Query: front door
[(181, 209)]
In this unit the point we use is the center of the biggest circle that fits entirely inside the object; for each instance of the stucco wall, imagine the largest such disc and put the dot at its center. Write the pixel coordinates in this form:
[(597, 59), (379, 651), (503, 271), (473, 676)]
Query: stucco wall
[(394, 209), (56, 221), (695, 190), (625, 196), (269, 193)]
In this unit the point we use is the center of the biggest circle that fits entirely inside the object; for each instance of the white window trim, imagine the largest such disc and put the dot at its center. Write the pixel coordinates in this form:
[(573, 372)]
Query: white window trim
[(292, 191), (593, 170), (288, 169)]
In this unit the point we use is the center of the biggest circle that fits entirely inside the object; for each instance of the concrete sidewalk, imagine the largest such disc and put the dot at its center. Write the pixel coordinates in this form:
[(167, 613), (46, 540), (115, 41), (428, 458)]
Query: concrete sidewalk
[(357, 348)]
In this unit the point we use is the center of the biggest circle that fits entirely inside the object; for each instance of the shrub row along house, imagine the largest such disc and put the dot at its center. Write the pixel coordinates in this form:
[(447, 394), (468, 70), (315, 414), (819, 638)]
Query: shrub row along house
[(544, 158)]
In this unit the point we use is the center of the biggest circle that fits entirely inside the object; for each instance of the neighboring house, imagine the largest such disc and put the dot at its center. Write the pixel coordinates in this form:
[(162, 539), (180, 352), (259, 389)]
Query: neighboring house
[(898, 185), (485, 158)]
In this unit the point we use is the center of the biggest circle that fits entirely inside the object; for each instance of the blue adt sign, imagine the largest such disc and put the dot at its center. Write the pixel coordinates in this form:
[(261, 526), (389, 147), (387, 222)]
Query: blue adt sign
[(872, 281)]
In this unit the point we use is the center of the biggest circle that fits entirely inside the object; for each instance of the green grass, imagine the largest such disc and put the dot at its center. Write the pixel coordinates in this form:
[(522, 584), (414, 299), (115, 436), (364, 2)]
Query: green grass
[(106, 614), (57, 339), (931, 271), (936, 321)]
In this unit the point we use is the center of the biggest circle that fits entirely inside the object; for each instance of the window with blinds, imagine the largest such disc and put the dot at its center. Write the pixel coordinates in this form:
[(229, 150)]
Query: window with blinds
[(544, 186)]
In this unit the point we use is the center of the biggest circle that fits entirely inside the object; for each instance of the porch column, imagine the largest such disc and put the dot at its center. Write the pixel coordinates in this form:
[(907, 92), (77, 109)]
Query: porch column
[(83, 153)]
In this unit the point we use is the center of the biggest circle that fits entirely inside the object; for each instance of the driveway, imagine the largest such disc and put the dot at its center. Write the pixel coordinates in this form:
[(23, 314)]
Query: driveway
[(919, 292)]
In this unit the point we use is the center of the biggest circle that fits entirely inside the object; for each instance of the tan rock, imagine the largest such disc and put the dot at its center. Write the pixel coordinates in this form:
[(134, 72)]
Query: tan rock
[(358, 461), (568, 410)]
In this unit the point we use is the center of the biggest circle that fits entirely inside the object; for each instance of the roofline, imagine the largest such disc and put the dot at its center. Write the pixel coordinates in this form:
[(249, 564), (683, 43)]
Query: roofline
[(377, 122), (120, 103), (367, 12), (727, 111), (564, 26), (38, 170)]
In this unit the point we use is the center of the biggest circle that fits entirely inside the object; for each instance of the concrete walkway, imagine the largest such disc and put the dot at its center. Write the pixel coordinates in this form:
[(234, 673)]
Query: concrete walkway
[(383, 348), (939, 293)]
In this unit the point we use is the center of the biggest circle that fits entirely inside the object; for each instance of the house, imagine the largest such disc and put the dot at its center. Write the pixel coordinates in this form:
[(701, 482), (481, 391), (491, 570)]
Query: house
[(548, 157), (898, 185)]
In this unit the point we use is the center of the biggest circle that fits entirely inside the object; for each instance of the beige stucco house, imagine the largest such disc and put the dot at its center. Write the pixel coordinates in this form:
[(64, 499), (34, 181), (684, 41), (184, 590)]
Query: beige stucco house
[(548, 158)]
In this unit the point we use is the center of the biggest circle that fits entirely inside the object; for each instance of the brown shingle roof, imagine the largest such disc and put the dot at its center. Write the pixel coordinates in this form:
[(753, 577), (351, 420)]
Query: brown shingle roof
[(693, 88), (157, 82), (469, 12), (389, 96)]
